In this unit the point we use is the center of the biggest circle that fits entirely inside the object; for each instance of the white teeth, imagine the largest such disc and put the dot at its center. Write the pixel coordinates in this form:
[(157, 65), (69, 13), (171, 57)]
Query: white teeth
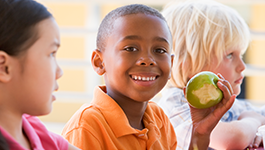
[(143, 78)]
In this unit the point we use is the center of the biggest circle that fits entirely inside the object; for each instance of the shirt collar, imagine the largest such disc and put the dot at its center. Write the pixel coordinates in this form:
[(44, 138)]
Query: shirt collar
[(29, 131), (112, 112)]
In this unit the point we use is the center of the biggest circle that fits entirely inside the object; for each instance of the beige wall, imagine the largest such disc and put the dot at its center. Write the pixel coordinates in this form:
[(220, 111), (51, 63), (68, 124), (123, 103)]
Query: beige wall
[(79, 20), (73, 57), (255, 85)]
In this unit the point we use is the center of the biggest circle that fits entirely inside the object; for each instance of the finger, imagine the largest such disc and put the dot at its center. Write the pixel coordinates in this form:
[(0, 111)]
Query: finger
[(228, 85), (225, 90), (214, 117), (225, 82), (257, 141), (220, 76), (223, 108), (250, 145), (184, 91), (228, 104)]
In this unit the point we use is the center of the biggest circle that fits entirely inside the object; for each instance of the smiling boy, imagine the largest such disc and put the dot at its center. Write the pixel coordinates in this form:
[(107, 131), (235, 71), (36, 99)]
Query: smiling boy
[(134, 56)]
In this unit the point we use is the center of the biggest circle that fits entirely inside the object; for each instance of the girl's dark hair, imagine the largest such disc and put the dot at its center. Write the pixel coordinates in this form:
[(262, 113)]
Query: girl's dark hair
[(3, 143), (17, 24)]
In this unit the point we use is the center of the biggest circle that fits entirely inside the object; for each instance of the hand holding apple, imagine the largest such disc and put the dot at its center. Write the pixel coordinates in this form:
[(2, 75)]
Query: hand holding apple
[(202, 90), (205, 120)]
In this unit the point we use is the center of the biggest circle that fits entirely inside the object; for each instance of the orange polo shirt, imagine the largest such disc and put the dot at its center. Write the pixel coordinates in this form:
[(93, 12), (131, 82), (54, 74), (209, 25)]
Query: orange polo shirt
[(103, 125)]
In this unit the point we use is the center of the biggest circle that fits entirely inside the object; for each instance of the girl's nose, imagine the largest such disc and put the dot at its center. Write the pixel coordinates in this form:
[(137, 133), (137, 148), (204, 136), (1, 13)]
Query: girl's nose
[(59, 72)]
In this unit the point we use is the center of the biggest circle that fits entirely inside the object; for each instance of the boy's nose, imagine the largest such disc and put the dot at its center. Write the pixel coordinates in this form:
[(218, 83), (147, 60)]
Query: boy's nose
[(242, 66), (146, 61)]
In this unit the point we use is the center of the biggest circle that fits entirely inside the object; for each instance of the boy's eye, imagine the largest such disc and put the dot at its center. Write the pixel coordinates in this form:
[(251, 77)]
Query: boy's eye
[(160, 50), (229, 56), (131, 49)]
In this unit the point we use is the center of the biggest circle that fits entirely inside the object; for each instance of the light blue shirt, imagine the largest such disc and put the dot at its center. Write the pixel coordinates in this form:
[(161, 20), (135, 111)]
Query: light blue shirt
[(176, 107)]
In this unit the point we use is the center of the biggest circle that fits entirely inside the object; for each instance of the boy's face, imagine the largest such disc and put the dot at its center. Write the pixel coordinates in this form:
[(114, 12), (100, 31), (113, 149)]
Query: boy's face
[(137, 59), (231, 68)]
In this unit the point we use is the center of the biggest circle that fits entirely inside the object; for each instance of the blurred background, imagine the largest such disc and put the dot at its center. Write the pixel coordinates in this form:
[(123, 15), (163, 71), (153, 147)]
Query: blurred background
[(79, 20)]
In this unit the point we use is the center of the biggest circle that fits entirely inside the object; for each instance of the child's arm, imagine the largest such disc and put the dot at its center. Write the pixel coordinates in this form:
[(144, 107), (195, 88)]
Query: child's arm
[(258, 119), (226, 134), (205, 120)]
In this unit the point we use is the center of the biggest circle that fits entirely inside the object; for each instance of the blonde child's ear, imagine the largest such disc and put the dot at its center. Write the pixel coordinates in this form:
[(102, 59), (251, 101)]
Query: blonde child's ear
[(172, 61), (4, 67), (97, 62)]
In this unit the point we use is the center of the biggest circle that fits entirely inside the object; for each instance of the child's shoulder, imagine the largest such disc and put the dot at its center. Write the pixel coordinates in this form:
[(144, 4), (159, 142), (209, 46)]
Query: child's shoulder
[(36, 130), (87, 117), (154, 106), (86, 113)]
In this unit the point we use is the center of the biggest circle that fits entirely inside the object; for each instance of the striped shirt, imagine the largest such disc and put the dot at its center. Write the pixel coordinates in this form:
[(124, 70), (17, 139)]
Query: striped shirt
[(176, 107)]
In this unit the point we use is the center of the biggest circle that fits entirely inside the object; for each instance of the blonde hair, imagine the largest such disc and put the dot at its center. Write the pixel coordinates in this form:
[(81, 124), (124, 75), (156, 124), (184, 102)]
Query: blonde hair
[(201, 30)]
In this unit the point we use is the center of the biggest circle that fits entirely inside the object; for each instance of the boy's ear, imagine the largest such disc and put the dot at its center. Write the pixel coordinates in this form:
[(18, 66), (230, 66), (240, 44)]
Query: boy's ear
[(97, 62), (5, 75)]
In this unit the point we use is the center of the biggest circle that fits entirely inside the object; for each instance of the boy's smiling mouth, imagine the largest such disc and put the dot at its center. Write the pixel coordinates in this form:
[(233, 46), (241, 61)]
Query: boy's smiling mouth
[(143, 78)]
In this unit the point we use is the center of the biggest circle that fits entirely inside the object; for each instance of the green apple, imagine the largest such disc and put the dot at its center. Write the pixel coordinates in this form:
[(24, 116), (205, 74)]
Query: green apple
[(202, 90)]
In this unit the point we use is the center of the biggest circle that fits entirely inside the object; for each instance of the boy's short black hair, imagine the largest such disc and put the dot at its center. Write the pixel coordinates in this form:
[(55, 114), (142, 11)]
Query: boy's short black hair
[(106, 25)]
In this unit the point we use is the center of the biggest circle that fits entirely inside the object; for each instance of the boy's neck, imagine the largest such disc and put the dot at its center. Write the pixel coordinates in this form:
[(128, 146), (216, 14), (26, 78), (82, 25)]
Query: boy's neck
[(134, 111), (135, 114)]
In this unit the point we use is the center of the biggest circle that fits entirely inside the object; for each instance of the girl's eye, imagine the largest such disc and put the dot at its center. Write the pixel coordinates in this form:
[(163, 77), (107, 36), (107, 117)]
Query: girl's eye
[(131, 49), (53, 54), (229, 56), (161, 51)]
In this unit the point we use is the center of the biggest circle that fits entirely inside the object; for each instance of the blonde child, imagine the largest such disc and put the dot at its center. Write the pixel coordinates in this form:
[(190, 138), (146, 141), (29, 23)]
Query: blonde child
[(134, 56), (209, 36), (29, 40)]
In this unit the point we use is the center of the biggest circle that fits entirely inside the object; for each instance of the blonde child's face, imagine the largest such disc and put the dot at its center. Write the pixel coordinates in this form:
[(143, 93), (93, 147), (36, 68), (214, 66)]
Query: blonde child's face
[(35, 79), (137, 57), (231, 68)]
